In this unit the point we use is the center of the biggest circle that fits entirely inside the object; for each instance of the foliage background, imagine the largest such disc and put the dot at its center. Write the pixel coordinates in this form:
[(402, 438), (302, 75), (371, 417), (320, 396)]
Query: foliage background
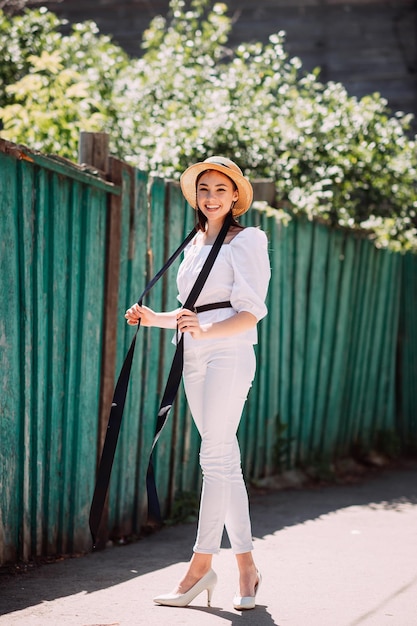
[(332, 156)]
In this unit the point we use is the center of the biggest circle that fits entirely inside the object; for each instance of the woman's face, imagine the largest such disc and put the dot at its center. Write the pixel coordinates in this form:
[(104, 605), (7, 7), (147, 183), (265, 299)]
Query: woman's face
[(215, 195)]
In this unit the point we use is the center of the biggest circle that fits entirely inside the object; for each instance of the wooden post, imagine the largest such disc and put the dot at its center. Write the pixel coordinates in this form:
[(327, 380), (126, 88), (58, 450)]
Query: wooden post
[(264, 190), (108, 369), (93, 149)]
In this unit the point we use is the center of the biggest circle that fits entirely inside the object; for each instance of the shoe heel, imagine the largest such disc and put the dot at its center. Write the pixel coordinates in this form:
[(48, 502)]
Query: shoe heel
[(209, 594), (208, 582)]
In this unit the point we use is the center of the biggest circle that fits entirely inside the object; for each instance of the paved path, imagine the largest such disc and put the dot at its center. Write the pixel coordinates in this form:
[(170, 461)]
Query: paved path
[(331, 556)]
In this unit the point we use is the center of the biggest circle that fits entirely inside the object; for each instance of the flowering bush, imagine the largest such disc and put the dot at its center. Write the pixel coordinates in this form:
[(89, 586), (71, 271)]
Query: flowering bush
[(53, 86), (346, 160)]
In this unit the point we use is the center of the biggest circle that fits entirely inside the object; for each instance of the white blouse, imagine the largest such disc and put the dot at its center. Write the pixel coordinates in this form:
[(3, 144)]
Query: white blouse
[(240, 273)]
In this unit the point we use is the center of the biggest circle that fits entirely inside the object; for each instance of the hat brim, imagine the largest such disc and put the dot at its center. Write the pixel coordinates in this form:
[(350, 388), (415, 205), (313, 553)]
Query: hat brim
[(188, 185)]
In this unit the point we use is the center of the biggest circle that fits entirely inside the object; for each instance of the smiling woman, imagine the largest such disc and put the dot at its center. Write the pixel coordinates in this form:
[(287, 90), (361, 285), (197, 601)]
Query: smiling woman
[(219, 364)]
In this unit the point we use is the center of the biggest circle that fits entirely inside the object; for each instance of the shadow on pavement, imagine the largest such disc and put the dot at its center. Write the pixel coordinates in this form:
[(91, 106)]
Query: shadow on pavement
[(271, 512), (263, 618), (390, 489)]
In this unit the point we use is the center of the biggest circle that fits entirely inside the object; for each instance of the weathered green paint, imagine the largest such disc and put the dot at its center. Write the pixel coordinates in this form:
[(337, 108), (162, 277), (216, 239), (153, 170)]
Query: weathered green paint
[(337, 354), (52, 268)]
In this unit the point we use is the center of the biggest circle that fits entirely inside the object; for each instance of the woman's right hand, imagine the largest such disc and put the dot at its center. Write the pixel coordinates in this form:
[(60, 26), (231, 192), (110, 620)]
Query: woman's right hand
[(142, 313)]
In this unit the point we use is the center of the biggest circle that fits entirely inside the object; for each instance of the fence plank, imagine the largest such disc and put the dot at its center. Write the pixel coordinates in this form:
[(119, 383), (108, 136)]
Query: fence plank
[(303, 251), (314, 334), (10, 397), (270, 366), (326, 435), (340, 366)]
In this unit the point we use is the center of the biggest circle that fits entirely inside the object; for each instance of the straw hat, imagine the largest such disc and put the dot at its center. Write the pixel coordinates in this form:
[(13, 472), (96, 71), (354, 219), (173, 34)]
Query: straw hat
[(225, 166)]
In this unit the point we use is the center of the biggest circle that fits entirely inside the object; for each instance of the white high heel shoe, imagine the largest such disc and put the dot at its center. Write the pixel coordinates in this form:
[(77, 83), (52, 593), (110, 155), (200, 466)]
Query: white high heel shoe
[(208, 582), (242, 603)]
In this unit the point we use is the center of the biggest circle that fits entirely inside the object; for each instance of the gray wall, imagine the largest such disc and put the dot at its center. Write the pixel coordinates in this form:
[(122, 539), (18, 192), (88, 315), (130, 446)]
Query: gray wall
[(368, 45)]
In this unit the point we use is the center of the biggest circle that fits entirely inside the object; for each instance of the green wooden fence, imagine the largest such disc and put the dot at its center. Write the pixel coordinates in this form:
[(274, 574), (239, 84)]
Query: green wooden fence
[(53, 231), (337, 354)]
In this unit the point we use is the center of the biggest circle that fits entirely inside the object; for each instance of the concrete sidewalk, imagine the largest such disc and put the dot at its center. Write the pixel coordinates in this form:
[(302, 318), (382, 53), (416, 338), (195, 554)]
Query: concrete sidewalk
[(331, 556)]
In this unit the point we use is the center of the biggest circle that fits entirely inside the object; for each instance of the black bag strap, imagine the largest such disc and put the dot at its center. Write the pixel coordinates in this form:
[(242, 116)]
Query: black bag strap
[(119, 397), (175, 374), (117, 407)]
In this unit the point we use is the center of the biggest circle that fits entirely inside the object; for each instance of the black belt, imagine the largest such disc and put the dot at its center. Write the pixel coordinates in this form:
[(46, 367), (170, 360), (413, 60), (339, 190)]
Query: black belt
[(214, 305)]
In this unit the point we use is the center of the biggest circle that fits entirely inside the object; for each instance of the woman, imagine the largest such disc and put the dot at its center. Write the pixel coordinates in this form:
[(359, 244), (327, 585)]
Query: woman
[(219, 366)]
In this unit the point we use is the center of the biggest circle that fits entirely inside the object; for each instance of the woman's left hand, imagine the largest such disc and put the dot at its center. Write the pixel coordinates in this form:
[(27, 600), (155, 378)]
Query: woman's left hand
[(188, 323)]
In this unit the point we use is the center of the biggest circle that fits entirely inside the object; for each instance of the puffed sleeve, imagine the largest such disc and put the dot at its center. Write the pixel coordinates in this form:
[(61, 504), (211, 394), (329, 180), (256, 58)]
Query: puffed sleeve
[(250, 261)]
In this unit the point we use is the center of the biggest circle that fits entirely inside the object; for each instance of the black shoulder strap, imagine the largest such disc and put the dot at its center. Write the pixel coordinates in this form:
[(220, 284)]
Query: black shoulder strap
[(174, 377), (119, 397), (117, 407)]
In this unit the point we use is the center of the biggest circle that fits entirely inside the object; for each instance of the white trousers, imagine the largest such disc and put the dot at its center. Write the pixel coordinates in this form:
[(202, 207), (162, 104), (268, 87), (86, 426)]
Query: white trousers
[(217, 377)]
